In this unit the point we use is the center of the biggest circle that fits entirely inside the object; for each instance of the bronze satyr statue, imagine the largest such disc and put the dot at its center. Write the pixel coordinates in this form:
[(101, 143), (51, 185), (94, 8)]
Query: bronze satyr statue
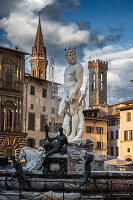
[(87, 169), (54, 147), (19, 173)]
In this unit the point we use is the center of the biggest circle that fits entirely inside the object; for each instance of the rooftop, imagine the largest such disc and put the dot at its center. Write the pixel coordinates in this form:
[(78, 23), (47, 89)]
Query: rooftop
[(39, 79), (15, 49), (92, 109), (128, 107), (112, 116), (125, 102), (94, 118)]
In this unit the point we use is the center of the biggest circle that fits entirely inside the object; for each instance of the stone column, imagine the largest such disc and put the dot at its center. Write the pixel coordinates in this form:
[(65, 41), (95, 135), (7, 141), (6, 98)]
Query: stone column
[(12, 120), (4, 119)]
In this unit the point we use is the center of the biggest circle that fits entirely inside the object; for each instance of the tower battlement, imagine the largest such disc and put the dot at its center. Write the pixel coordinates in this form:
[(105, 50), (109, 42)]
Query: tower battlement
[(98, 62)]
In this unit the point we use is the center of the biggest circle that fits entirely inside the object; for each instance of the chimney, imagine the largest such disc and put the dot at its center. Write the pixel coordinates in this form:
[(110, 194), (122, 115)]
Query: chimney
[(15, 48)]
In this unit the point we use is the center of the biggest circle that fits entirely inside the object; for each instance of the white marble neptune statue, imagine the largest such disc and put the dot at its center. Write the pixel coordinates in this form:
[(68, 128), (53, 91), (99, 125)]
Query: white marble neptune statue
[(70, 109)]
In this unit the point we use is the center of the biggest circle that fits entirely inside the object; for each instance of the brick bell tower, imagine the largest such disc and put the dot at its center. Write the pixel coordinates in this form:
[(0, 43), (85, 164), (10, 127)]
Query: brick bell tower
[(97, 82), (39, 58)]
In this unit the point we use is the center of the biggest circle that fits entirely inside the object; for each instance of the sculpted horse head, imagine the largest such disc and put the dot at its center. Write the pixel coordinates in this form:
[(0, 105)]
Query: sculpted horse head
[(28, 154)]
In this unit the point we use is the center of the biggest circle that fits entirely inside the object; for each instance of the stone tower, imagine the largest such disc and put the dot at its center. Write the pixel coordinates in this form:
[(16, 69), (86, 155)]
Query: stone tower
[(39, 58), (97, 82)]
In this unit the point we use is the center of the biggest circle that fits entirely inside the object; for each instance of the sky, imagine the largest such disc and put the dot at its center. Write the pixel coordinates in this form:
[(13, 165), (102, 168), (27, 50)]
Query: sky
[(98, 29)]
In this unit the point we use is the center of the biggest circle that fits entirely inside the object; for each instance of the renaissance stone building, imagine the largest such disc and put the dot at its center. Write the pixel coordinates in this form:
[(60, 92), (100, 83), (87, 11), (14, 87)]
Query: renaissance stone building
[(12, 69), (120, 130), (97, 82)]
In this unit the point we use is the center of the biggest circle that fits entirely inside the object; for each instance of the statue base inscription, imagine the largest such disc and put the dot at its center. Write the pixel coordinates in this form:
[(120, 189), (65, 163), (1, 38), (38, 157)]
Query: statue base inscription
[(56, 165)]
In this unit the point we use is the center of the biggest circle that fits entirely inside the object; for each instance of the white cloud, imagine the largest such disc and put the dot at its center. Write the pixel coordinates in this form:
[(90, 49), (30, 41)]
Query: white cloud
[(21, 26)]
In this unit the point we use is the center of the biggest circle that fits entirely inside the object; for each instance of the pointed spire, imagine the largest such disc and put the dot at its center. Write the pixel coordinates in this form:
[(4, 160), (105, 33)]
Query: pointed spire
[(38, 48), (38, 60)]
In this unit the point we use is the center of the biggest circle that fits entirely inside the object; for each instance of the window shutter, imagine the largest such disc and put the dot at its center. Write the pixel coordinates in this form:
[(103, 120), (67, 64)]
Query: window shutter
[(31, 121), (125, 135)]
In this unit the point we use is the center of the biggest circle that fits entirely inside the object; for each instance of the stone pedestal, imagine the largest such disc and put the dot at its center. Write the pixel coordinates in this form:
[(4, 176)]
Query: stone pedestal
[(76, 158), (56, 165)]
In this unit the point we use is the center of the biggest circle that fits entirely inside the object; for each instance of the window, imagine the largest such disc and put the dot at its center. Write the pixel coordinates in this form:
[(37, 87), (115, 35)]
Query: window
[(99, 145), (117, 151), (89, 129), (53, 110), (31, 106), (32, 90), (34, 73), (117, 135), (128, 116), (102, 81), (112, 135), (44, 108), (31, 125), (44, 93), (93, 81), (112, 151), (99, 130), (31, 142), (128, 135), (95, 114), (9, 78), (128, 149), (41, 143), (43, 122), (9, 153)]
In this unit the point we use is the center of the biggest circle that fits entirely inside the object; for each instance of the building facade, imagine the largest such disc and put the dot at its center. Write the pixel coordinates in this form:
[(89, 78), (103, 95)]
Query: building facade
[(96, 130), (97, 82), (126, 133), (12, 69), (119, 126), (40, 108), (113, 135)]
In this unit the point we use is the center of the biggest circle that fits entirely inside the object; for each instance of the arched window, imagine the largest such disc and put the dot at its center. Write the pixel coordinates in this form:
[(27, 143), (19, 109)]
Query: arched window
[(9, 151), (8, 77), (93, 81), (8, 116), (128, 159), (40, 73), (101, 83), (34, 73), (112, 135)]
